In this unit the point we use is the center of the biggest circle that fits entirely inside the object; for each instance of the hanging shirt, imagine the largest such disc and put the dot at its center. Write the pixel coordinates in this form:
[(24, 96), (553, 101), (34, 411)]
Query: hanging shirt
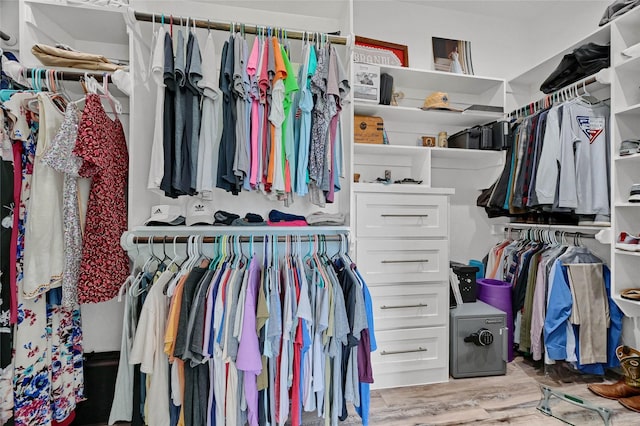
[(288, 151), (156, 166), (211, 125), (148, 351), (306, 106), (181, 148), (249, 359), (169, 118), (584, 159), (241, 162), (226, 178), (192, 105), (252, 73)]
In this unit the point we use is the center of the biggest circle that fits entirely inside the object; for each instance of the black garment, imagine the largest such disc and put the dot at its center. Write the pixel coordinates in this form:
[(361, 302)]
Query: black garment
[(196, 391), (349, 289), (585, 60), (227, 179), (196, 338), (169, 116), (6, 207), (188, 291)]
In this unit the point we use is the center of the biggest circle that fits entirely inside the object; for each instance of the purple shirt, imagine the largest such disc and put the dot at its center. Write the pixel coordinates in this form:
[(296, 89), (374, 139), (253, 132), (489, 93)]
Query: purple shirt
[(249, 359)]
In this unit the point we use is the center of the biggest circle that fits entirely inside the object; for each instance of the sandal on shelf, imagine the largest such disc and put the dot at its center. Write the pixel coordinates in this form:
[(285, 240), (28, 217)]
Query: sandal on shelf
[(629, 147), (631, 294)]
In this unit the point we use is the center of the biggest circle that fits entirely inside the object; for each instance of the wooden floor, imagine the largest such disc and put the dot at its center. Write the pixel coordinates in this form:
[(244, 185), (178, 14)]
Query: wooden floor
[(497, 400)]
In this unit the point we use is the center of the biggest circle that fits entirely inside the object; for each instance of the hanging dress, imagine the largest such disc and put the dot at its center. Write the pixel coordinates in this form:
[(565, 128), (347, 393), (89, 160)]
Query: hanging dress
[(102, 146), (43, 240), (60, 157)]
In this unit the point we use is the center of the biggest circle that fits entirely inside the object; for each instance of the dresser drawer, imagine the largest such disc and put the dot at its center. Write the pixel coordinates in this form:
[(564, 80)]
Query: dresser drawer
[(392, 261), (401, 215), (409, 357), (410, 305)]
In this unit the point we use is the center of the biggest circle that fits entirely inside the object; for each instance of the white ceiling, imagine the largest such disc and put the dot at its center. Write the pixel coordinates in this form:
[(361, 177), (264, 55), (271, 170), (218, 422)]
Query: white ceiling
[(509, 8)]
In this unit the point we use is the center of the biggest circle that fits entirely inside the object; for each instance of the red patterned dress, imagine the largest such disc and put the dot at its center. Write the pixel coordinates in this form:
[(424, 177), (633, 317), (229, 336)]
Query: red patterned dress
[(102, 146)]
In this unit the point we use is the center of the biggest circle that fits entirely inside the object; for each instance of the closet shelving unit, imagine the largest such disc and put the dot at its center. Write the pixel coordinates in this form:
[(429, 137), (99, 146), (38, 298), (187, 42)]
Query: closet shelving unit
[(407, 122), (625, 124), (402, 231), (84, 27)]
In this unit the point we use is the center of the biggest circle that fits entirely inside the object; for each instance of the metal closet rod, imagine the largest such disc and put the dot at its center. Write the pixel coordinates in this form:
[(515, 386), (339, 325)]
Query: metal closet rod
[(540, 103), (334, 38), (65, 75), (243, 239), (557, 231)]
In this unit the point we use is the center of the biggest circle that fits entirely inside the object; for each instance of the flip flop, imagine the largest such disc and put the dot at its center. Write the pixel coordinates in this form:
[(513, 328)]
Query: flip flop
[(631, 294)]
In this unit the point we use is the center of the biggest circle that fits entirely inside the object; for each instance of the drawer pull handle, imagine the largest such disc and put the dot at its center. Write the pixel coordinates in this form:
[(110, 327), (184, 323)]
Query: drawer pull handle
[(404, 215), (406, 261), (419, 305), (420, 349)]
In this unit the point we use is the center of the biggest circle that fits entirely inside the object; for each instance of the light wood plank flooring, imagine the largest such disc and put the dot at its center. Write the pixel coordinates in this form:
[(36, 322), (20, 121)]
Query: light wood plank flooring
[(497, 400)]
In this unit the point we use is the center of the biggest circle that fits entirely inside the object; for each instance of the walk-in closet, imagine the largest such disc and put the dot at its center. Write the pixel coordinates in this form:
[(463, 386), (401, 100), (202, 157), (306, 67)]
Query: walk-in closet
[(312, 212)]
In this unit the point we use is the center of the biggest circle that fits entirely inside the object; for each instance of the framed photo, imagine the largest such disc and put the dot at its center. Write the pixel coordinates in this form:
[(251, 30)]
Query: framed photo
[(452, 55), (366, 86), (380, 52)]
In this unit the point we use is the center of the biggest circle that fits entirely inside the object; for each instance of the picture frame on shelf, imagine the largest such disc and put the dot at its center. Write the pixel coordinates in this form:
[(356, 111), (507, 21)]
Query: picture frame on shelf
[(452, 56), (380, 52), (366, 86)]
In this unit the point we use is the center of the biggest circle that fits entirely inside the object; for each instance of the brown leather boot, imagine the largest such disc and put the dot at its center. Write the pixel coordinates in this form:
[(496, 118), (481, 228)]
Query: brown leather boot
[(632, 403), (615, 390)]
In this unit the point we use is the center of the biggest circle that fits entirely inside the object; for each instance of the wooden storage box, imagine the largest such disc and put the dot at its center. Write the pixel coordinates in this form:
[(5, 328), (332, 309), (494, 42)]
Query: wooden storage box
[(367, 129)]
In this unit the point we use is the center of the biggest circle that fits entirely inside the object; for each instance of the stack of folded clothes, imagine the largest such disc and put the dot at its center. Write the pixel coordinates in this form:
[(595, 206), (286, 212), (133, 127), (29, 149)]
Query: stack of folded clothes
[(325, 219), (250, 219), (278, 218), (223, 218)]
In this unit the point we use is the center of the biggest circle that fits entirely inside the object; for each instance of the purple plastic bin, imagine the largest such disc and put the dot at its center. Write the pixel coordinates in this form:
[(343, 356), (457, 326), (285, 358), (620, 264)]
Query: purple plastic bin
[(498, 294)]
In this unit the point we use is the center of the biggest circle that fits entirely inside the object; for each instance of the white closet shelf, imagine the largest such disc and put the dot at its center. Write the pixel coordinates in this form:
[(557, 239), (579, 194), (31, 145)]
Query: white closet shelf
[(629, 65), (415, 114), (83, 22), (628, 307), (441, 81), (627, 204), (626, 253), (632, 157), (539, 73), (467, 159), (237, 230), (630, 110), (405, 188)]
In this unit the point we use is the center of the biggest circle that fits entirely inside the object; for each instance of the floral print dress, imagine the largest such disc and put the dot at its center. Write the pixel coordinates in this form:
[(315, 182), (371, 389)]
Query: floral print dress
[(102, 147), (48, 375)]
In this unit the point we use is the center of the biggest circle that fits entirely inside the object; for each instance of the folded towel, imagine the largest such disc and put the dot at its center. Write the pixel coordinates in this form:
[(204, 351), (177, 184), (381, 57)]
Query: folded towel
[(52, 56)]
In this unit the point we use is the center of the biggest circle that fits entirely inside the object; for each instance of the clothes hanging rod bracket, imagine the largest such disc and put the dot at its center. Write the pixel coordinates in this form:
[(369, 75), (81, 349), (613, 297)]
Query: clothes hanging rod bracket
[(334, 37)]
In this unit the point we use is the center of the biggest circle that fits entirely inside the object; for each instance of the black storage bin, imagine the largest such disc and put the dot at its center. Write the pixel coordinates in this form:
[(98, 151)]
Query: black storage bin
[(469, 139), (486, 137), (100, 371), (467, 277), (501, 135)]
